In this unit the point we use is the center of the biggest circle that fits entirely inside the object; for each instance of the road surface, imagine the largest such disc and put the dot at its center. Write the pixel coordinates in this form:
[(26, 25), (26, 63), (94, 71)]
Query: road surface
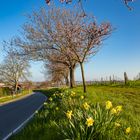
[(15, 114)]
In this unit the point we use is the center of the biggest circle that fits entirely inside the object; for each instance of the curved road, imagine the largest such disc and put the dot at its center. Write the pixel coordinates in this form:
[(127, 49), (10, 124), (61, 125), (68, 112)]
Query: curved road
[(15, 114)]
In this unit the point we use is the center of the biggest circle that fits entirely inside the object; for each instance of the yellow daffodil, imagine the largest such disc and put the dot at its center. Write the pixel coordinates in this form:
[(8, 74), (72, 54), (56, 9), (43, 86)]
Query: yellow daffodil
[(119, 109), (67, 91), (50, 99), (89, 122), (73, 93), (82, 97), (113, 111), (69, 114), (128, 129), (108, 105), (61, 94), (57, 108), (117, 124), (86, 106)]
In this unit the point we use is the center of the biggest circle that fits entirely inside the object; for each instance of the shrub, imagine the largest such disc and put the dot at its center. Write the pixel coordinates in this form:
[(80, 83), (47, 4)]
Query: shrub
[(5, 91)]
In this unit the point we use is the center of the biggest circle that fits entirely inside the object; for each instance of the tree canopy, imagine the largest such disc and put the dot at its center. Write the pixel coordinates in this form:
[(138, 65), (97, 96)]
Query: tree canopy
[(126, 2)]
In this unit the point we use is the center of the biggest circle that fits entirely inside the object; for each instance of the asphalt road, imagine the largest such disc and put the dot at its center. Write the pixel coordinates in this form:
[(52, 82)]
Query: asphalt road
[(14, 114)]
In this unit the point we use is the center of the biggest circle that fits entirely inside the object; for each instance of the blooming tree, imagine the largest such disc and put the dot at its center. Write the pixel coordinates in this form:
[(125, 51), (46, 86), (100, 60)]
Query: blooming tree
[(64, 37), (126, 2), (80, 38), (41, 41)]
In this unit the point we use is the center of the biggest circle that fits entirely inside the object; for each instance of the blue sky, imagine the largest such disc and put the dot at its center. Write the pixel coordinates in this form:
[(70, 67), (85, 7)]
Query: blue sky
[(119, 53)]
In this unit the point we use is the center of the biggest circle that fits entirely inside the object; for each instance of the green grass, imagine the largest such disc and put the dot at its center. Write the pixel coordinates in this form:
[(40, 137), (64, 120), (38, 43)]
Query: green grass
[(9, 98), (128, 97), (45, 129)]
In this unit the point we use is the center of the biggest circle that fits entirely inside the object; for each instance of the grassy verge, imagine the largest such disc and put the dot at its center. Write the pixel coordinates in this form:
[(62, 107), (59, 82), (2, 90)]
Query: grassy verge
[(10, 98), (128, 97), (55, 122)]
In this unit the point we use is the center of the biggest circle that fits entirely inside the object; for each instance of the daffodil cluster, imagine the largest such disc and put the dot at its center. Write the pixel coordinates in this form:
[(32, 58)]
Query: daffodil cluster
[(86, 119), (108, 105), (73, 93), (86, 106)]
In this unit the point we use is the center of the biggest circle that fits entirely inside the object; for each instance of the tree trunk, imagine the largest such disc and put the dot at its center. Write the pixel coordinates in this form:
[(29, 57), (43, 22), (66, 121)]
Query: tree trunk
[(72, 81), (16, 86), (83, 77)]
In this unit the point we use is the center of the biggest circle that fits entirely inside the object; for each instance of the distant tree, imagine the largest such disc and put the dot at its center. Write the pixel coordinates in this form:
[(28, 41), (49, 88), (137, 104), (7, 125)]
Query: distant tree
[(110, 79), (137, 77), (27, 84), (57, 72), (12, 70)]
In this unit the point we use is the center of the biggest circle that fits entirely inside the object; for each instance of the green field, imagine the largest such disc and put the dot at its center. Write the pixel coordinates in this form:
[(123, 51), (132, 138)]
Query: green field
[(129, 98), (43, 126)]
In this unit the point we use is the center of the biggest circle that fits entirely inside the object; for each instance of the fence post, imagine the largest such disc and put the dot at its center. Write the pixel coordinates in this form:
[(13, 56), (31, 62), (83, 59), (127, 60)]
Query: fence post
[(125, 78)]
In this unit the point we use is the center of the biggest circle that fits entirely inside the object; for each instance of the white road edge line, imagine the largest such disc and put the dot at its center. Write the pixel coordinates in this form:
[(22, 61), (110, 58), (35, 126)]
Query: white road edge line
[(22, 124)]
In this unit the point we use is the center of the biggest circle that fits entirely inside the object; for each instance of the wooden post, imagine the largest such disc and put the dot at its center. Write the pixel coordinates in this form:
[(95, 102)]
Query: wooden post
[(125, 78)]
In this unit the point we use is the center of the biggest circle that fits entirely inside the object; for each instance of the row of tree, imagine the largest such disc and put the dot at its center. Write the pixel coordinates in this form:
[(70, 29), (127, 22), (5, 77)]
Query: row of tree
[(62, 39)]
